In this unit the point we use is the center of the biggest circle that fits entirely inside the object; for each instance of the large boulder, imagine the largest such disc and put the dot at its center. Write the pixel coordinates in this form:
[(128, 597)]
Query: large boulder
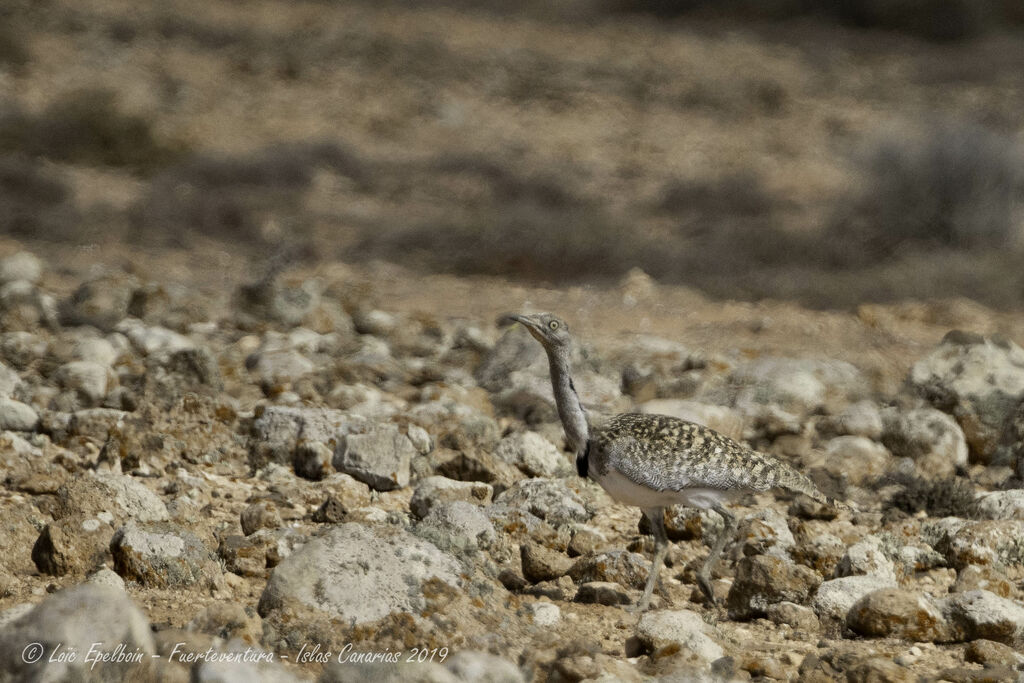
[(763, 580), (991, 654), (359, 574), (550, 499), (81, 343), (280, 366), (111, 497), (252, 555), (278, 430), (866, 557), (192, 369), (655, 368), (981, 614), (171, 305), (10, 380), (602, 593), (24, 307), (980, 382), (797, 385), (1000, 505), (798, 617), (90, 380), (616, 566), (17, 416), (990, 578), (434, 490), (80, 619), (931, 438), (74, 544), (275, 299), (987, 542), (22, 265), (163, 555), (542, 564), (856, 459), (92, 423), (765, 532), (834, 598), (682, 631), (863, 419), (380, 458), (897, 613), (457, 525), (153, 340), (102, 302), (533, 454)]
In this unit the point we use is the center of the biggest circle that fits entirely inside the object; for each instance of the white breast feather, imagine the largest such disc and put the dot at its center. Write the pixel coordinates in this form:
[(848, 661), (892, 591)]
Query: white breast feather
[(624, 490)]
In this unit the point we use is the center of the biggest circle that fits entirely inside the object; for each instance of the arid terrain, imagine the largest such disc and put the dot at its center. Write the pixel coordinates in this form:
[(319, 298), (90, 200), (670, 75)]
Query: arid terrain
[(255, 405)]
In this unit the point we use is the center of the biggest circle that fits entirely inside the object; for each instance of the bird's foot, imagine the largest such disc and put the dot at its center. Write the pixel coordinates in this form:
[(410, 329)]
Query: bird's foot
[(704, 582), (640, 607)]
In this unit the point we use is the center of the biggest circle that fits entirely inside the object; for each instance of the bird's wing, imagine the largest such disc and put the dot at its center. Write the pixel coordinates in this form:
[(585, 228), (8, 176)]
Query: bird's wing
[(665, 453), (676, 467)]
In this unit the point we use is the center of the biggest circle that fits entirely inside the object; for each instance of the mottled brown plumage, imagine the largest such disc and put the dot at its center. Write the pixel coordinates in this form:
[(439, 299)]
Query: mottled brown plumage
[(666, 453), (654, 461)]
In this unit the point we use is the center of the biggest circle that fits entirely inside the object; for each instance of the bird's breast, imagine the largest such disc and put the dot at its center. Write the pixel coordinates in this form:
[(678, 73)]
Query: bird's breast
[(624, 490)]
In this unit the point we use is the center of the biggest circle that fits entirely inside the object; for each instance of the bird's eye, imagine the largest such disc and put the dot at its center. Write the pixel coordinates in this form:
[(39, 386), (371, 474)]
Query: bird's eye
[(553, 324)]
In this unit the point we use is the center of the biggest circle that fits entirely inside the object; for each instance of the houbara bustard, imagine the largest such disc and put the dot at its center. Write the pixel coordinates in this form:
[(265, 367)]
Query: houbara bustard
[(654, 461)]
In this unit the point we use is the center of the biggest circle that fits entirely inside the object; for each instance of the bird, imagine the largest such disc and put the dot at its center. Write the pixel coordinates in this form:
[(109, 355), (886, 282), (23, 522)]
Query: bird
[(655, 461)]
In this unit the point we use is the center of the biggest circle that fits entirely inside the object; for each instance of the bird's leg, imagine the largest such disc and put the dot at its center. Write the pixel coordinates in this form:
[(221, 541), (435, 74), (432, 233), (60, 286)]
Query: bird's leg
[(704, 575), (656, 516)]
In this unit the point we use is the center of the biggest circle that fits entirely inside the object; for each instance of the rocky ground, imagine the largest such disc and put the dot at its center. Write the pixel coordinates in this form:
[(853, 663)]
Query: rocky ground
[(254, 482)]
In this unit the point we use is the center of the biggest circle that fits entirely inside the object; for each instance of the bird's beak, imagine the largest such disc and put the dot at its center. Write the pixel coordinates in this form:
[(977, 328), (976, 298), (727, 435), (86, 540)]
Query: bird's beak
[(512, 318), (506, 319)]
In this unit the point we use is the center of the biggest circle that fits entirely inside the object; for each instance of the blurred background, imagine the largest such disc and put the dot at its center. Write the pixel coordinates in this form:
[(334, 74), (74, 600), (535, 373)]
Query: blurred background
[(829, 153)]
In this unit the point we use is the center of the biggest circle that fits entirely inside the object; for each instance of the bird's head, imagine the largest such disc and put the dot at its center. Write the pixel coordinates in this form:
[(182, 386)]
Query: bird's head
[(551, 331)]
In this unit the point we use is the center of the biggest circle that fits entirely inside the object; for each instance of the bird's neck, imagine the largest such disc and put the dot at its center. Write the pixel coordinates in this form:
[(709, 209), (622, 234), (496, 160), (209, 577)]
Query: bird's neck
[(570, 410)]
